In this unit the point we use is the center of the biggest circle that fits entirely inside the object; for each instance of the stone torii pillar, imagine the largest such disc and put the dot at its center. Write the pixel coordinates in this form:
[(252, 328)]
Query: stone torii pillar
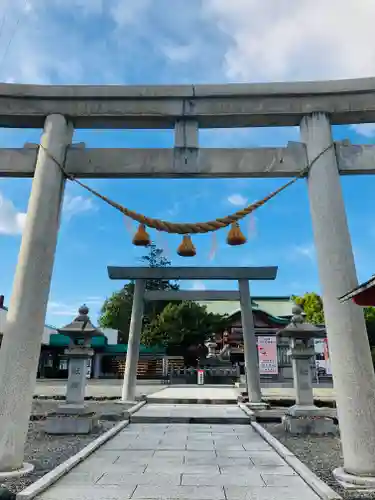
[(352, 369), (20, 349), (250, 348), (132, 355)]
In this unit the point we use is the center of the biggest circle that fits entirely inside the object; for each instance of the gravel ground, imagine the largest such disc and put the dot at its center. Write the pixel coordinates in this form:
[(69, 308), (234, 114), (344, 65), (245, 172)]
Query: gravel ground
[(106, 410), (47, 452), (320, 454)]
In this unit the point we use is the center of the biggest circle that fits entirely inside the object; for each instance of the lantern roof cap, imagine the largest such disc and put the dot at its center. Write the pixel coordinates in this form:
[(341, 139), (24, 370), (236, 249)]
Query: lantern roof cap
[(298, 328), (81, 326)]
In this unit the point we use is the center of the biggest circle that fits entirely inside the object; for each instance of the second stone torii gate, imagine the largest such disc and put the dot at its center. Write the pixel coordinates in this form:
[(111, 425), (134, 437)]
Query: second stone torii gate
[(241, 274)]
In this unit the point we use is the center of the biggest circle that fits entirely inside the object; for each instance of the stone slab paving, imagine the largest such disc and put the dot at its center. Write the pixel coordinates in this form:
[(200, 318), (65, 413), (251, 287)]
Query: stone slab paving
[(183, 462), (196, 393), (169, 413)]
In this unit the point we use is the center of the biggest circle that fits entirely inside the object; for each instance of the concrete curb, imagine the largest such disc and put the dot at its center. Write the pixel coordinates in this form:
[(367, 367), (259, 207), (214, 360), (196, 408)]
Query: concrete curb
[(135, 408), (61, 470), (322, 489), (248, 412)]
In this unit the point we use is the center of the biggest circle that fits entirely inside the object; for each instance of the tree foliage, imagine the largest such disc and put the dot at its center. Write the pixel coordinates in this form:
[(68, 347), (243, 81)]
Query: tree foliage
[(184, 325), (116, 310), (313, 307)]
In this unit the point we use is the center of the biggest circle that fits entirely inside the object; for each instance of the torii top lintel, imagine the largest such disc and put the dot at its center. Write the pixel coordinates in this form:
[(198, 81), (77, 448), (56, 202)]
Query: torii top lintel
[(212, 106), (191, 273)]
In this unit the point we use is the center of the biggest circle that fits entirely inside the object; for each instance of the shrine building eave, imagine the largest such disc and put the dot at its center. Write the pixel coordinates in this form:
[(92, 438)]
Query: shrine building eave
[(362, 295)]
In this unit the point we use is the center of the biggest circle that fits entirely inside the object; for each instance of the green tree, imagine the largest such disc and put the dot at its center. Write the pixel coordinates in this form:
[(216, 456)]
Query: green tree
[(313, 307), (183, 325), (116, 310)]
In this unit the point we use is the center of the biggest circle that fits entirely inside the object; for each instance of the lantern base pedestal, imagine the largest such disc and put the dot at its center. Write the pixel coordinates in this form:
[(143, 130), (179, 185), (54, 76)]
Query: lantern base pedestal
[(13, 474), (307, 420), (72, 419), (353, 482)]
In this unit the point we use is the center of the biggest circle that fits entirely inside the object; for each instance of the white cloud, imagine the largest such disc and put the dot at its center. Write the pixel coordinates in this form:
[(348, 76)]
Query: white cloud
[(198, 285), (59, 308), (12, 221), (125, 12), (307, 251), (74, 205), (179, 53), (237, 199), (94, 301), (62, 309), (285, 39), (365, 129)]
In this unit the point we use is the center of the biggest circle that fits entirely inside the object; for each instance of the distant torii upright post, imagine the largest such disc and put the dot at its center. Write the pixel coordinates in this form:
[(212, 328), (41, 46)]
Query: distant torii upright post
[(242, 274)]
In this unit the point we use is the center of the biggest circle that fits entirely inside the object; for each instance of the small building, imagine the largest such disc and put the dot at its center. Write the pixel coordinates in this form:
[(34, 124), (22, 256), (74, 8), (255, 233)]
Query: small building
[(362, 295)]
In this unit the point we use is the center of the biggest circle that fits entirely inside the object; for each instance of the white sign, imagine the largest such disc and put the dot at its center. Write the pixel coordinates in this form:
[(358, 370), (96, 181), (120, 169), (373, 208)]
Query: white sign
[(267, 349), (200, 377), (88, 368)]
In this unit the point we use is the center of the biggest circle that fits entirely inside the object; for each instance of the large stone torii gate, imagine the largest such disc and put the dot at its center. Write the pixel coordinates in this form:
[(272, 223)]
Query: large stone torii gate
[(313, 106)]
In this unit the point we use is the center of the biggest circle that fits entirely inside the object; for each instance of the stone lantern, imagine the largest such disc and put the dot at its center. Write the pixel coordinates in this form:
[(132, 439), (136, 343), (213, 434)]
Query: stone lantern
[(211, 346), (304, 417), (73, 417)]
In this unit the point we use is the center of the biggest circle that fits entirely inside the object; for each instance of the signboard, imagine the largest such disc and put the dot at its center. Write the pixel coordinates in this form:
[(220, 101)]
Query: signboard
[(267, 349), (323, 361), (200, 377), (88, 368), (327, 358)]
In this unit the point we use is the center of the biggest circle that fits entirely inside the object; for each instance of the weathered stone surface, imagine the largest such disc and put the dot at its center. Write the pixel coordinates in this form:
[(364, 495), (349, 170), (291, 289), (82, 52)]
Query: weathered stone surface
[(68, 424)]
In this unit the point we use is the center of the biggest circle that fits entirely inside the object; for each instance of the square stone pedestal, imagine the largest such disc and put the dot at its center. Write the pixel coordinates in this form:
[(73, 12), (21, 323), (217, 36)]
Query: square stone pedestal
[(71, 419), (308, 420)]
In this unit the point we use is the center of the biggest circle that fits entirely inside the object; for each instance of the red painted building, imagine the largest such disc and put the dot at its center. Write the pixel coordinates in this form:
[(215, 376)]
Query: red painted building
[(363, 295)]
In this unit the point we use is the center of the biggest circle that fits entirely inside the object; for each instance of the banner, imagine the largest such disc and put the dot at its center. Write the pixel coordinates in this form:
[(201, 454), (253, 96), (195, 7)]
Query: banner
[(322, 360), (327, 358), (267, 349)]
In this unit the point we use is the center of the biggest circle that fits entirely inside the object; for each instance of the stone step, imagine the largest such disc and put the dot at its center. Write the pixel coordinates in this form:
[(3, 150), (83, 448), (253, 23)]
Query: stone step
[(190, 414), (181, 419), (201, 401)]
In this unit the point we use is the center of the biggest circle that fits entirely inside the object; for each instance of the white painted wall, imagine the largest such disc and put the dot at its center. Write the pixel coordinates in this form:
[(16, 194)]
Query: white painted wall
[(46, 333), (108, 332), (111, 335)]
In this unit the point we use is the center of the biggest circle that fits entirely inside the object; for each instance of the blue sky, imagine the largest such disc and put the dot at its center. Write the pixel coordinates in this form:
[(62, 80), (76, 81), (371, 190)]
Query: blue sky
[(200, 41)]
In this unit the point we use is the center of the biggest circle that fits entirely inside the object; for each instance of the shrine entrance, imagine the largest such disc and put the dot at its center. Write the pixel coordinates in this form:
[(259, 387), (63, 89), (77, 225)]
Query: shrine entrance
[(241, 274), (313, 106)]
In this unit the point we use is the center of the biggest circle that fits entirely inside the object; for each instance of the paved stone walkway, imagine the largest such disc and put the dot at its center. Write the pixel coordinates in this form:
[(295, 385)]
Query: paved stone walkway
[(193, 393), (183, 462), (185, 413)]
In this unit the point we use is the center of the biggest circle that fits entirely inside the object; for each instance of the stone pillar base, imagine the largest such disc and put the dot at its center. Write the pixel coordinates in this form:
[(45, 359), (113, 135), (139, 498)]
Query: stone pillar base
[(23, 471), (126, 402), (71, 419), (353, 482), (263, 405), (308, 424)]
